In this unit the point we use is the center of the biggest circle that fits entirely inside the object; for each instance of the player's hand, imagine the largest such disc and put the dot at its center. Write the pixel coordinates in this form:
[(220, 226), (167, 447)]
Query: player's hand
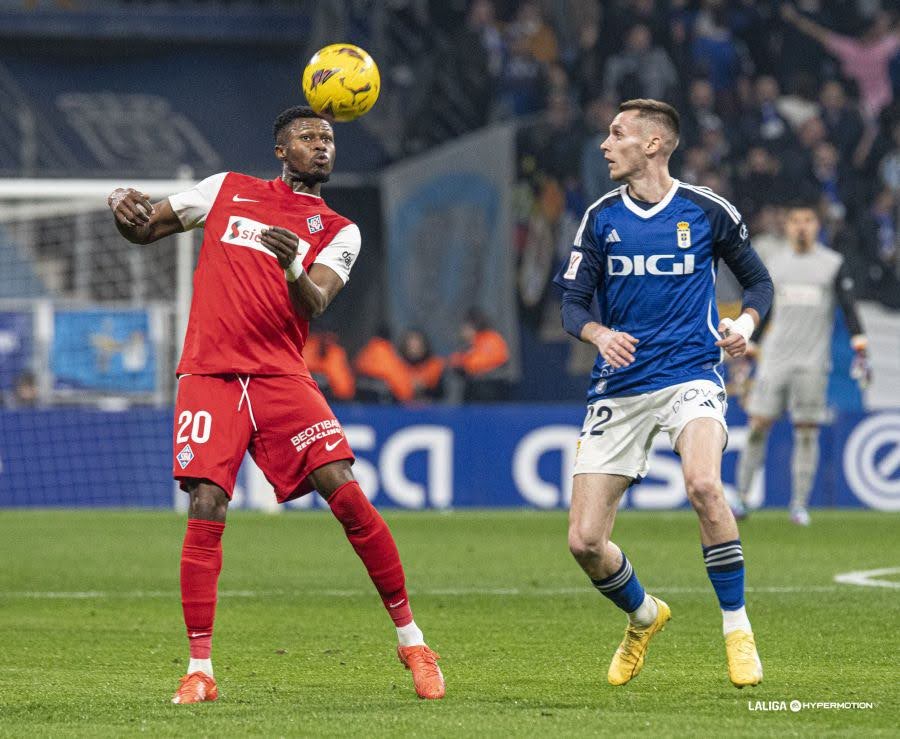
[(616, 347), (735, 336), (282, 243), (130, 207), (860, 369)]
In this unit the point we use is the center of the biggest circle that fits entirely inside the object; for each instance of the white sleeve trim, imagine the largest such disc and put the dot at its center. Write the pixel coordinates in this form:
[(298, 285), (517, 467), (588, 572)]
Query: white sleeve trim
[(193, 206), (340, 255)]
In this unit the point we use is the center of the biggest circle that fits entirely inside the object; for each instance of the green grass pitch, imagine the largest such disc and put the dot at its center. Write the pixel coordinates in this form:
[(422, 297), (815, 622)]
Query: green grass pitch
[(92, 642)]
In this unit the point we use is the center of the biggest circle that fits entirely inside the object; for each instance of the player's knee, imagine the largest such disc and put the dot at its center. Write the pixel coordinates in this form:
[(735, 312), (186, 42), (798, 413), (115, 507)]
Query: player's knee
[(353, 509), (585, 544), (702, 489), (208, 502)]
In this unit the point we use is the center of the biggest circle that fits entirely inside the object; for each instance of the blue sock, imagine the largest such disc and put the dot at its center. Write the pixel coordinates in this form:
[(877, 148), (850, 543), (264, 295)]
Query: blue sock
[(725, 567), (623, 588)]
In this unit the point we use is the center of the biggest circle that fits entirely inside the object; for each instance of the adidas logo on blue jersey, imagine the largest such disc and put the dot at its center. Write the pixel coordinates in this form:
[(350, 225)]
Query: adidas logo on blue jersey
[(613, 237)]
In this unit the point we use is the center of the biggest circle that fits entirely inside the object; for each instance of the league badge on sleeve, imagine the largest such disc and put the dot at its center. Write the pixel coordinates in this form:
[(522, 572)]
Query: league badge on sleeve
[(684, 234), (574, 260)]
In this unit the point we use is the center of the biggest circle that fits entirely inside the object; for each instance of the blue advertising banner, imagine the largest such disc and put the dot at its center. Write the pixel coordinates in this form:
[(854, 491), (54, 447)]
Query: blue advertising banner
[(81, 457), (103, 350), (16, 346), (437, 457)]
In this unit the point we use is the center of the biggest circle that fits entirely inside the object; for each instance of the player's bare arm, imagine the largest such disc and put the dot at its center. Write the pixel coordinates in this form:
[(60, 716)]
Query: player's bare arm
[(616, 347), (139, 220), (311, 292)]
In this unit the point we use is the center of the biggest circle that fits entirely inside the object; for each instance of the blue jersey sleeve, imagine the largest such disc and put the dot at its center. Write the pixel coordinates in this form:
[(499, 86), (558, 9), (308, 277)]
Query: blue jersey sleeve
[(731, 242), (580, 276)]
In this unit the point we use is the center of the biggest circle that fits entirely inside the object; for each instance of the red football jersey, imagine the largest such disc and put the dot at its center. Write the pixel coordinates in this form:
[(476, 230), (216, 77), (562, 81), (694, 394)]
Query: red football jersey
[(241, 316)]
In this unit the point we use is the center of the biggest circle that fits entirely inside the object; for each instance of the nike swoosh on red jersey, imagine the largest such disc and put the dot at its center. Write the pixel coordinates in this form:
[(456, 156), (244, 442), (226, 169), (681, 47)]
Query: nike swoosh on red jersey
[(239, 199), (331, 447)]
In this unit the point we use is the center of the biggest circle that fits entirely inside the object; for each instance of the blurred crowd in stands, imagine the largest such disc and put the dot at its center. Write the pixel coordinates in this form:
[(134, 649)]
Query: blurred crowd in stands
[(776, 98), (408, 371)]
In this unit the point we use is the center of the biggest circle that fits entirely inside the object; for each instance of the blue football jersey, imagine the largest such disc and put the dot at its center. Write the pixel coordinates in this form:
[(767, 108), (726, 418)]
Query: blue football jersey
[(654, 274)]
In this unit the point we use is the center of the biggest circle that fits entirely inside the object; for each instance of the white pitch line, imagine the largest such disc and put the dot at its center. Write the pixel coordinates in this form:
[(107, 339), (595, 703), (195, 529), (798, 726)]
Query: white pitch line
[(449, 592), (868, 578)]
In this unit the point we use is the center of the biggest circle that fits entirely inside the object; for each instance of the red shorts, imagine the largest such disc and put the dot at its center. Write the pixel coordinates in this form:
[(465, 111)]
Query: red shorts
[(283, 421)]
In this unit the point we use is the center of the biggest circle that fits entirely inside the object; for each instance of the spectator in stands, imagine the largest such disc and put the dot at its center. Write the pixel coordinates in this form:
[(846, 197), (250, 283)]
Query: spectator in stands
[(865, 61), (889, 169), (837, 185), (425, 368), (625, 14), (760, 181), (716, 52), (327, 361), (382, 374), (700, 113), (697, 163), (798, 103), (25, 392), (717, 145), (532, 45), (879, 260), (640, 70), (590, 61), (843, 122), (768, 231), (480, 362), (482, 20), (568, 18), (764, 124), (453, 104), (556, 139)]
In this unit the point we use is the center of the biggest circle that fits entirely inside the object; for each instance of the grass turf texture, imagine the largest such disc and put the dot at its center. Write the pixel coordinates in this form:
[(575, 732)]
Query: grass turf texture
[(303, 646)]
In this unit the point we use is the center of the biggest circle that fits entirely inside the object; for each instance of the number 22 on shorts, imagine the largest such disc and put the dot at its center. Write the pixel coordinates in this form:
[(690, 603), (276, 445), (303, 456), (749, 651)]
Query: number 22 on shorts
[(603, 414)]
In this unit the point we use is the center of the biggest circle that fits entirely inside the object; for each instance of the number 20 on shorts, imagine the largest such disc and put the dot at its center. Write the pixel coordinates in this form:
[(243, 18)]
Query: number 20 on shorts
[(200, 427)]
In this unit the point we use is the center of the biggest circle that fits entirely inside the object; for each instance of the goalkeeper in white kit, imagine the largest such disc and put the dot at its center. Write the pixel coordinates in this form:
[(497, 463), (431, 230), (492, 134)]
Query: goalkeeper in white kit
[(795, 354)]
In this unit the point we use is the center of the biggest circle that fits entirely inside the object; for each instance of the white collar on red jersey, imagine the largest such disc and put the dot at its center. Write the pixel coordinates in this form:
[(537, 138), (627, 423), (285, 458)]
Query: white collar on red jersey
[(284, 186)]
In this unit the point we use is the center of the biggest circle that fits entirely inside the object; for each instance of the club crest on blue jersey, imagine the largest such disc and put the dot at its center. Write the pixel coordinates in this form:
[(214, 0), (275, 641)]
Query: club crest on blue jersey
[(684, 234), (314, 223)]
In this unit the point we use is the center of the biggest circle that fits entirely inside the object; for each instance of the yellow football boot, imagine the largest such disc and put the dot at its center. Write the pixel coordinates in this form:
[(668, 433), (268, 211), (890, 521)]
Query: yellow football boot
[(629, 657), (744, 667)]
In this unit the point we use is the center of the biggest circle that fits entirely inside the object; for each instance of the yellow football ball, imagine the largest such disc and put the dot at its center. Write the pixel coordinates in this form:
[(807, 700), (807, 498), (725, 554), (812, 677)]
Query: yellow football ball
[(341, 82)]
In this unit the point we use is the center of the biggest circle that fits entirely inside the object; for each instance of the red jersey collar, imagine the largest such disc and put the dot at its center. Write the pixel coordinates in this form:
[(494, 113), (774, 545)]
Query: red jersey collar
[(283, 186)]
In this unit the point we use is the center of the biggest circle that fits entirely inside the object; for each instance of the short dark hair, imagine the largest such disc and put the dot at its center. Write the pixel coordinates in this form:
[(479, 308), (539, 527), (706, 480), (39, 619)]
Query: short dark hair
[(803, 201), (655, 110), (286, 117)]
